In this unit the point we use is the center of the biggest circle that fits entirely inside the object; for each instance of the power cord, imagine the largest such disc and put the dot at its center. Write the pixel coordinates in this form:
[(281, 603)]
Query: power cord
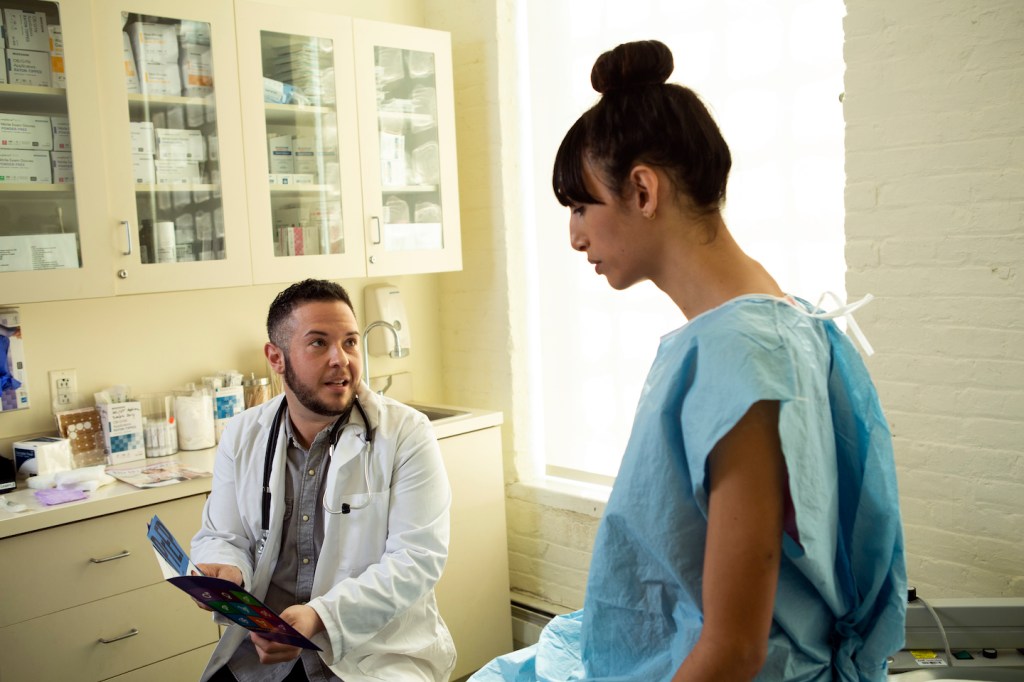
[(911, 598)]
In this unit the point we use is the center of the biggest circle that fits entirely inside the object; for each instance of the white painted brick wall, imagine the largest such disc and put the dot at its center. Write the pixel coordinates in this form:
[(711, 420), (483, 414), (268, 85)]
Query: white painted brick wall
[(934, 109), (934, 106)]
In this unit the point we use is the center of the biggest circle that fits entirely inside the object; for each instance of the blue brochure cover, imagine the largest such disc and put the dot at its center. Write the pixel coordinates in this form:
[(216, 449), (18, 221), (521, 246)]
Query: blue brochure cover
[(222, 596)]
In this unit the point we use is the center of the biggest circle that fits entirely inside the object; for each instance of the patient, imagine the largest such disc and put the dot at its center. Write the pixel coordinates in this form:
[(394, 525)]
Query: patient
[(753, 531)]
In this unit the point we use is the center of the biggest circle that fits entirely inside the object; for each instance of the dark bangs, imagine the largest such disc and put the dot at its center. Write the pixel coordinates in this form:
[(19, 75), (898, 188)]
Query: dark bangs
[(567, 178)]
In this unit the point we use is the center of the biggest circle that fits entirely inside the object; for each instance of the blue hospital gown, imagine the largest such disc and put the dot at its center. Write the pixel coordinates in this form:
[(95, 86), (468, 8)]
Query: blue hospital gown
[(840, 603)]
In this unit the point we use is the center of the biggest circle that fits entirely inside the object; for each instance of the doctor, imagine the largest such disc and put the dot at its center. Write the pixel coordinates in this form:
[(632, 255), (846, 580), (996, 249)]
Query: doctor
[(352, 534)]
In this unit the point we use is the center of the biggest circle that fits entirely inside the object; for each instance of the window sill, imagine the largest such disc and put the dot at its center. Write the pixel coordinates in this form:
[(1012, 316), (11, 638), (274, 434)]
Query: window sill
[(561, 493)]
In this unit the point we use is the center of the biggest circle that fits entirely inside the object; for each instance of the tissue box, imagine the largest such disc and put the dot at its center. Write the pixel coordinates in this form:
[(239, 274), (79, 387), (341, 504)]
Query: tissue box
[(48, 456), (123, 435)]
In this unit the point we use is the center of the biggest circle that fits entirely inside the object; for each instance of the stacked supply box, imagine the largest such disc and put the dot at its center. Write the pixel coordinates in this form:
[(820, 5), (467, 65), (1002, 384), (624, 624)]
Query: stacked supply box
[(155, 47), (305, 64), (195, 59), (57, 77), (143, 150), (25, 144), (60, 158), (27, 51)]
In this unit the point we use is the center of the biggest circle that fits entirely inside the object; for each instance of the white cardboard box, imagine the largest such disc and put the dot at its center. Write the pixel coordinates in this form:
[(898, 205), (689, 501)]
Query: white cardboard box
[(19, 166), (142, 138), (196, 65), (62, 169), (61, 129), (177, 144), (176, 172), (122, 431), (153, 43), (131, 74), (143, 169), (57, 76), (159, 79), (28, 67), (43, 455), (26, 30), (279, 148), (18, 131)]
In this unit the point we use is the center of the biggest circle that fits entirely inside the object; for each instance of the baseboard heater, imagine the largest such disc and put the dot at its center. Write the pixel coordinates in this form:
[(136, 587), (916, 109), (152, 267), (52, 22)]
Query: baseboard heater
[(527, 622)]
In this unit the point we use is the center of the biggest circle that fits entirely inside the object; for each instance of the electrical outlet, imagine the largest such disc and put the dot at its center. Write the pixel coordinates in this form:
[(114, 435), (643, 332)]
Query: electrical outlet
[(63, 388)]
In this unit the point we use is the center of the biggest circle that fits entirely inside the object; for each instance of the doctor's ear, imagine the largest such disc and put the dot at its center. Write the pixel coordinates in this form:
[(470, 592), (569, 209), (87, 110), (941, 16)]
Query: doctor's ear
[(275, 356)]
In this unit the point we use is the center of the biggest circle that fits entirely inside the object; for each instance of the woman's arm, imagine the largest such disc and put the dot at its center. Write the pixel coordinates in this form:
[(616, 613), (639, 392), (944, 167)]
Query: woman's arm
[(747, 490)]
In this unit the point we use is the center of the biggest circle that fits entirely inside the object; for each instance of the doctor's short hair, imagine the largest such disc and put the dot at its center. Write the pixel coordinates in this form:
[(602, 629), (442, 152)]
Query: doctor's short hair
[(306, 291)]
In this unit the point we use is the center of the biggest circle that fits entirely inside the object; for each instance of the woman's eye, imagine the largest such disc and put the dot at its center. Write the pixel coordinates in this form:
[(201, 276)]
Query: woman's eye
[(578, 210)]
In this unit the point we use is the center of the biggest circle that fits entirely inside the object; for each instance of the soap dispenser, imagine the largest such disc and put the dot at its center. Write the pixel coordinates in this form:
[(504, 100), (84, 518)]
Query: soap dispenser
[(384, 302)]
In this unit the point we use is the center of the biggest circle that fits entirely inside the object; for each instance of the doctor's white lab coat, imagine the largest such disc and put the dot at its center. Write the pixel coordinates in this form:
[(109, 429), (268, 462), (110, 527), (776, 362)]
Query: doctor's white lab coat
[(374, 581)]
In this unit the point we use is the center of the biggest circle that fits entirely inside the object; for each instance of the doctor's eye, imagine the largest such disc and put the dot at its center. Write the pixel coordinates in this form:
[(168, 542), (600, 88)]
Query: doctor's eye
[(578, 209)]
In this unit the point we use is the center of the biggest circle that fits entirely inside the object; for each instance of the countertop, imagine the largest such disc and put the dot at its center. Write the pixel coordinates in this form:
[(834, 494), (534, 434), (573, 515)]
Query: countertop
[(119, 496)]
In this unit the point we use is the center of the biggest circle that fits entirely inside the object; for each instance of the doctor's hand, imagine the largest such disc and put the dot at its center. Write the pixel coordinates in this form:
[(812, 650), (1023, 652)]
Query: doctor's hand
[(302, 618), (222, 571)]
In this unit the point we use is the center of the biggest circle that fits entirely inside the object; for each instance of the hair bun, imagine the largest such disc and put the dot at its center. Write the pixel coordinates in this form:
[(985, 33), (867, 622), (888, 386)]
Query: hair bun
[(631, 66)]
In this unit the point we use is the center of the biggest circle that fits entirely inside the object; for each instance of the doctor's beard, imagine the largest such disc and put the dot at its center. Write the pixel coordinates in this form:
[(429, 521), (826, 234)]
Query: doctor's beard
[(306, 395)]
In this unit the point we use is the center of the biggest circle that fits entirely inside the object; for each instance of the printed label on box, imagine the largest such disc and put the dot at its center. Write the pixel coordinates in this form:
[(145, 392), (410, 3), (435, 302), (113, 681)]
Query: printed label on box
[(18, 131), (24, 253), (28, 67), (62, 168), (61, 133), (123, 431), (23, 166), (26, 30)]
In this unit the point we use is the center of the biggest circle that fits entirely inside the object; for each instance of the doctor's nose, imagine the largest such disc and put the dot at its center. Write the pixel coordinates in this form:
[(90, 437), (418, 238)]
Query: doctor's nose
[(338, 356)]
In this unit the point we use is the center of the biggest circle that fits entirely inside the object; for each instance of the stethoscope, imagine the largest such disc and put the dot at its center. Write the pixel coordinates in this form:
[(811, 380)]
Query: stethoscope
[(268, 465)]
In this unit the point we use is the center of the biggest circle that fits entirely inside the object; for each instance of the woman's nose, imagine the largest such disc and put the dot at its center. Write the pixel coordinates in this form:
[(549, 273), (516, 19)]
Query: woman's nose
[(577, 240)]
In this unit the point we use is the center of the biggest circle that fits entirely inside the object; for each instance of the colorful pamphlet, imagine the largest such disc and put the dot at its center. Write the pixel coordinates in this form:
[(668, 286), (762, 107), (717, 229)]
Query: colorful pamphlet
[(223, 596)]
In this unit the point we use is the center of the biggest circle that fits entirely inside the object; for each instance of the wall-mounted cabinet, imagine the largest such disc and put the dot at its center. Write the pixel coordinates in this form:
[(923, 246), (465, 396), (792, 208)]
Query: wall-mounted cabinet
[(219, 143)]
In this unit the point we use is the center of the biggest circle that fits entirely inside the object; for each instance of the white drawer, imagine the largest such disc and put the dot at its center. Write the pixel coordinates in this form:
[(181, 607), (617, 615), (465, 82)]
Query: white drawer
[(186, 666), (66, 645), (73, 564)]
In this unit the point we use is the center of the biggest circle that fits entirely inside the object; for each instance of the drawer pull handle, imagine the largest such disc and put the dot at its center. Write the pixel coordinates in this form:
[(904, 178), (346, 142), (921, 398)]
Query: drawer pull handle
[(130, 633), (111, 558)]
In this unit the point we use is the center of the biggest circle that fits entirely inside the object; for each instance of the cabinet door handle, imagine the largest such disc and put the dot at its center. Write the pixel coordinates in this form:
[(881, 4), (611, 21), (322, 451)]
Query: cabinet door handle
[(376, 222), (130, 633), (111, 558), (128, 233)]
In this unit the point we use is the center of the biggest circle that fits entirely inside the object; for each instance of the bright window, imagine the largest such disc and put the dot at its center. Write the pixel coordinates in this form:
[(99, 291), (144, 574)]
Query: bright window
[(772, 74)]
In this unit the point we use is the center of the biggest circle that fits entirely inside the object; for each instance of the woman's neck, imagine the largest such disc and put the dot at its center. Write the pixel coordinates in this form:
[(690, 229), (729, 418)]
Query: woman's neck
[(705, 267)]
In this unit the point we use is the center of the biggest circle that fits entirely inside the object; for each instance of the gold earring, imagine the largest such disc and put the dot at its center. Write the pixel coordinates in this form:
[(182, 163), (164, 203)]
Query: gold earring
[(651, 216)]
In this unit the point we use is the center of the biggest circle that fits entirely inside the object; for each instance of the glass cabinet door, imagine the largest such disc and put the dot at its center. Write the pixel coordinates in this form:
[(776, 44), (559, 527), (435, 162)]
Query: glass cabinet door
[(406, 113), (44, 251), (304, 188), (178, 198)]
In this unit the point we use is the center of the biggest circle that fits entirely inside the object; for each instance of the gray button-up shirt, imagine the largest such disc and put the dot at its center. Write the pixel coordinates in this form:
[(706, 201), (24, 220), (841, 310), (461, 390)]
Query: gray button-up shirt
[(301, 540)]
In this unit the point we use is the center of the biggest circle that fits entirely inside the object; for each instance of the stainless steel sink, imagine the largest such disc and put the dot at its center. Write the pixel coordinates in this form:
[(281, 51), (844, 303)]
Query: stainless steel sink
[(435, 413), (961, 674)]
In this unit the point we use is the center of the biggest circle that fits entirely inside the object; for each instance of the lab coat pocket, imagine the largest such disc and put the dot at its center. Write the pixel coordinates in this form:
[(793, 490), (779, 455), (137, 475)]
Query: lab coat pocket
[(359, 522)]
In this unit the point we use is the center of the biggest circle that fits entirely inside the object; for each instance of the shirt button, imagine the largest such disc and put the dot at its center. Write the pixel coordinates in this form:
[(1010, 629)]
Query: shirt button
[(305, 560), (311, 472), (305, 517)]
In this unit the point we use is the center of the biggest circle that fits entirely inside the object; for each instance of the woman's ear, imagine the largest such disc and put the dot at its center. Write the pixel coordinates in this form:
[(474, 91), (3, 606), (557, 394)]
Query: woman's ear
[(644, 180)]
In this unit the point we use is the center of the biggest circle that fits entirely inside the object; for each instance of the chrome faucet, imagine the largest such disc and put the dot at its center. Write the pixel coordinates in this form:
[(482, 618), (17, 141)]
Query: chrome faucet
[(398, 352)]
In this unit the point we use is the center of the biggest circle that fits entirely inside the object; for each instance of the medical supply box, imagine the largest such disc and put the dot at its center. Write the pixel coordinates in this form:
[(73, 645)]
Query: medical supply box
[(123, 432), (44, 455)]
